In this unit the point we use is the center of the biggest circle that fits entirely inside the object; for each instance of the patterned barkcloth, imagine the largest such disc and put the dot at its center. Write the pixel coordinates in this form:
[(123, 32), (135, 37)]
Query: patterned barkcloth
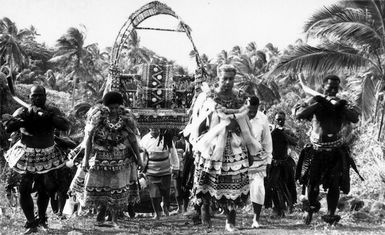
[(23, 159)]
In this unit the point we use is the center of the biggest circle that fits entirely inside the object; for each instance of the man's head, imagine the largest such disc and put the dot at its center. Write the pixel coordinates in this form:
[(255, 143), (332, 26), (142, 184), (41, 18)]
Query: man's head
[(253, 108), (330, 85), (154, 132), (38, 96), (113, 100), (226, 74), (280, 118)]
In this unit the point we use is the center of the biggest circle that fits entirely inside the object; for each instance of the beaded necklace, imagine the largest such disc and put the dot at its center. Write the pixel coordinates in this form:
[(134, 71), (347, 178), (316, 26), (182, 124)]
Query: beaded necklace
[(114, 126), (227, 101)]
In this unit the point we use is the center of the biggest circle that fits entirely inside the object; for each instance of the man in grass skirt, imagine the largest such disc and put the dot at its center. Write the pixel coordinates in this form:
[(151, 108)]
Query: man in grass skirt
[(328, 160), (35, 156)]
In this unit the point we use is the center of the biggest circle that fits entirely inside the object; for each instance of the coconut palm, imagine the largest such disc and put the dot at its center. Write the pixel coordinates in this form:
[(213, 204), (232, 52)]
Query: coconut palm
[(134, 51), (207, 68), (224, 58), (252, 67), (236, 51), (74, 58), (352, 41), (12, 52)]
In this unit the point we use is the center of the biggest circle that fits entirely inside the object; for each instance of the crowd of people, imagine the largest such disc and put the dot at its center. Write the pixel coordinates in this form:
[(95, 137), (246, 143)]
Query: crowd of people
[(228, 156)]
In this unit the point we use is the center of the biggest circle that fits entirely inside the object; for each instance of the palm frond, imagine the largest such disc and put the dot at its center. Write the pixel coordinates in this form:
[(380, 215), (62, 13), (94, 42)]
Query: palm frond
[(223, 57), (37, 50), (316, 60), (322, 15), (261, 56), (63, 56), (8, 26), (368, 98), (373, 7), (74, 38), (251, 47), (352, 25), (265, 93), (236, 51), (245, 64), (272, 49)]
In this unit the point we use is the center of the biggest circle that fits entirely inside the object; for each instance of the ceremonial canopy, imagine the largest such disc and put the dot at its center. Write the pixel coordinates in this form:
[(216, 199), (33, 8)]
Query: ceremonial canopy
[(157, 98)]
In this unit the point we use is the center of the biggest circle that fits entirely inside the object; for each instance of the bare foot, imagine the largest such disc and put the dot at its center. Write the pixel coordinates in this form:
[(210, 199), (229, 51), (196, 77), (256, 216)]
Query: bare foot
[(156, 216), (308, 218)]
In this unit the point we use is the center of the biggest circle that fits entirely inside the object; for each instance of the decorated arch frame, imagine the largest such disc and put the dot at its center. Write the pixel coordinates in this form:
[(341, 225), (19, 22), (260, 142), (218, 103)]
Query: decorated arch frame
[(157, 98)]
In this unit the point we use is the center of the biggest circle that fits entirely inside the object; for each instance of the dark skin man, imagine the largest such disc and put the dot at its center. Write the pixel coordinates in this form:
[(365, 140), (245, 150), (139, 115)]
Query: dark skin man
[(331, 156), (35, 156)]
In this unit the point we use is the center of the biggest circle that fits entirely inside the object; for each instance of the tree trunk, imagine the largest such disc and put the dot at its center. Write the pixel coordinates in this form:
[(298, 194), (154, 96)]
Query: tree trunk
[(381, 123), (73, 91)]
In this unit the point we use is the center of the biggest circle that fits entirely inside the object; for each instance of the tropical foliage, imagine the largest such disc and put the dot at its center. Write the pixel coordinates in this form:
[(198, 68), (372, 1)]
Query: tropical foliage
[(350, 41), (13, 43)]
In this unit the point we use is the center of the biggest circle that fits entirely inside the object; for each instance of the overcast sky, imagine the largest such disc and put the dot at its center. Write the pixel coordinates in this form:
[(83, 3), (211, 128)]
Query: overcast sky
[(216, 24)]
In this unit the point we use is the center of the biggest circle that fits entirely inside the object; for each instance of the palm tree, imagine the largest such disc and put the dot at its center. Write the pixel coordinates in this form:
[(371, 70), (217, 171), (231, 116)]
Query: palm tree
[(209, 68), (236, 51), (134, 51), (11, 50), (73, 57), (252, 67), (224, 58), (352, 40)]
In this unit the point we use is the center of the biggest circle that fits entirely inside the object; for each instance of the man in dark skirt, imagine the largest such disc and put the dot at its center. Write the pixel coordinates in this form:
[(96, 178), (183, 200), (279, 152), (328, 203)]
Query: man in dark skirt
[(35, 156), (329, 160), (280, 183)]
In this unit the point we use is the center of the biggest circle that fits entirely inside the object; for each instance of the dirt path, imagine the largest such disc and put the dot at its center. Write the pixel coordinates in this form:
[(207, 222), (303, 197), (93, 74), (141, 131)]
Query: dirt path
[(12, 222)]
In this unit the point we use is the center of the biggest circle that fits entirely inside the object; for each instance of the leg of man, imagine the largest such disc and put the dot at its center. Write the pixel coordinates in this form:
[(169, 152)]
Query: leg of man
[(63, 182), (230, 219), (185, 199), (165, 193), (291, 181), (26, 202), (313, 186), (45, 185), (257, 196), (179, 193), (53, 198), (332, 199), (101, 214), (205, 210), (155, 195), (155, 201), (292, 189), (277, 189), (333, 194)]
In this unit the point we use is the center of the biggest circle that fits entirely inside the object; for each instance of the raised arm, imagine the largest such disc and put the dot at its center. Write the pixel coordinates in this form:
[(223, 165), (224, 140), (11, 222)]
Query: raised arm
[(16, 121), (307, 109), (350, 112)]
